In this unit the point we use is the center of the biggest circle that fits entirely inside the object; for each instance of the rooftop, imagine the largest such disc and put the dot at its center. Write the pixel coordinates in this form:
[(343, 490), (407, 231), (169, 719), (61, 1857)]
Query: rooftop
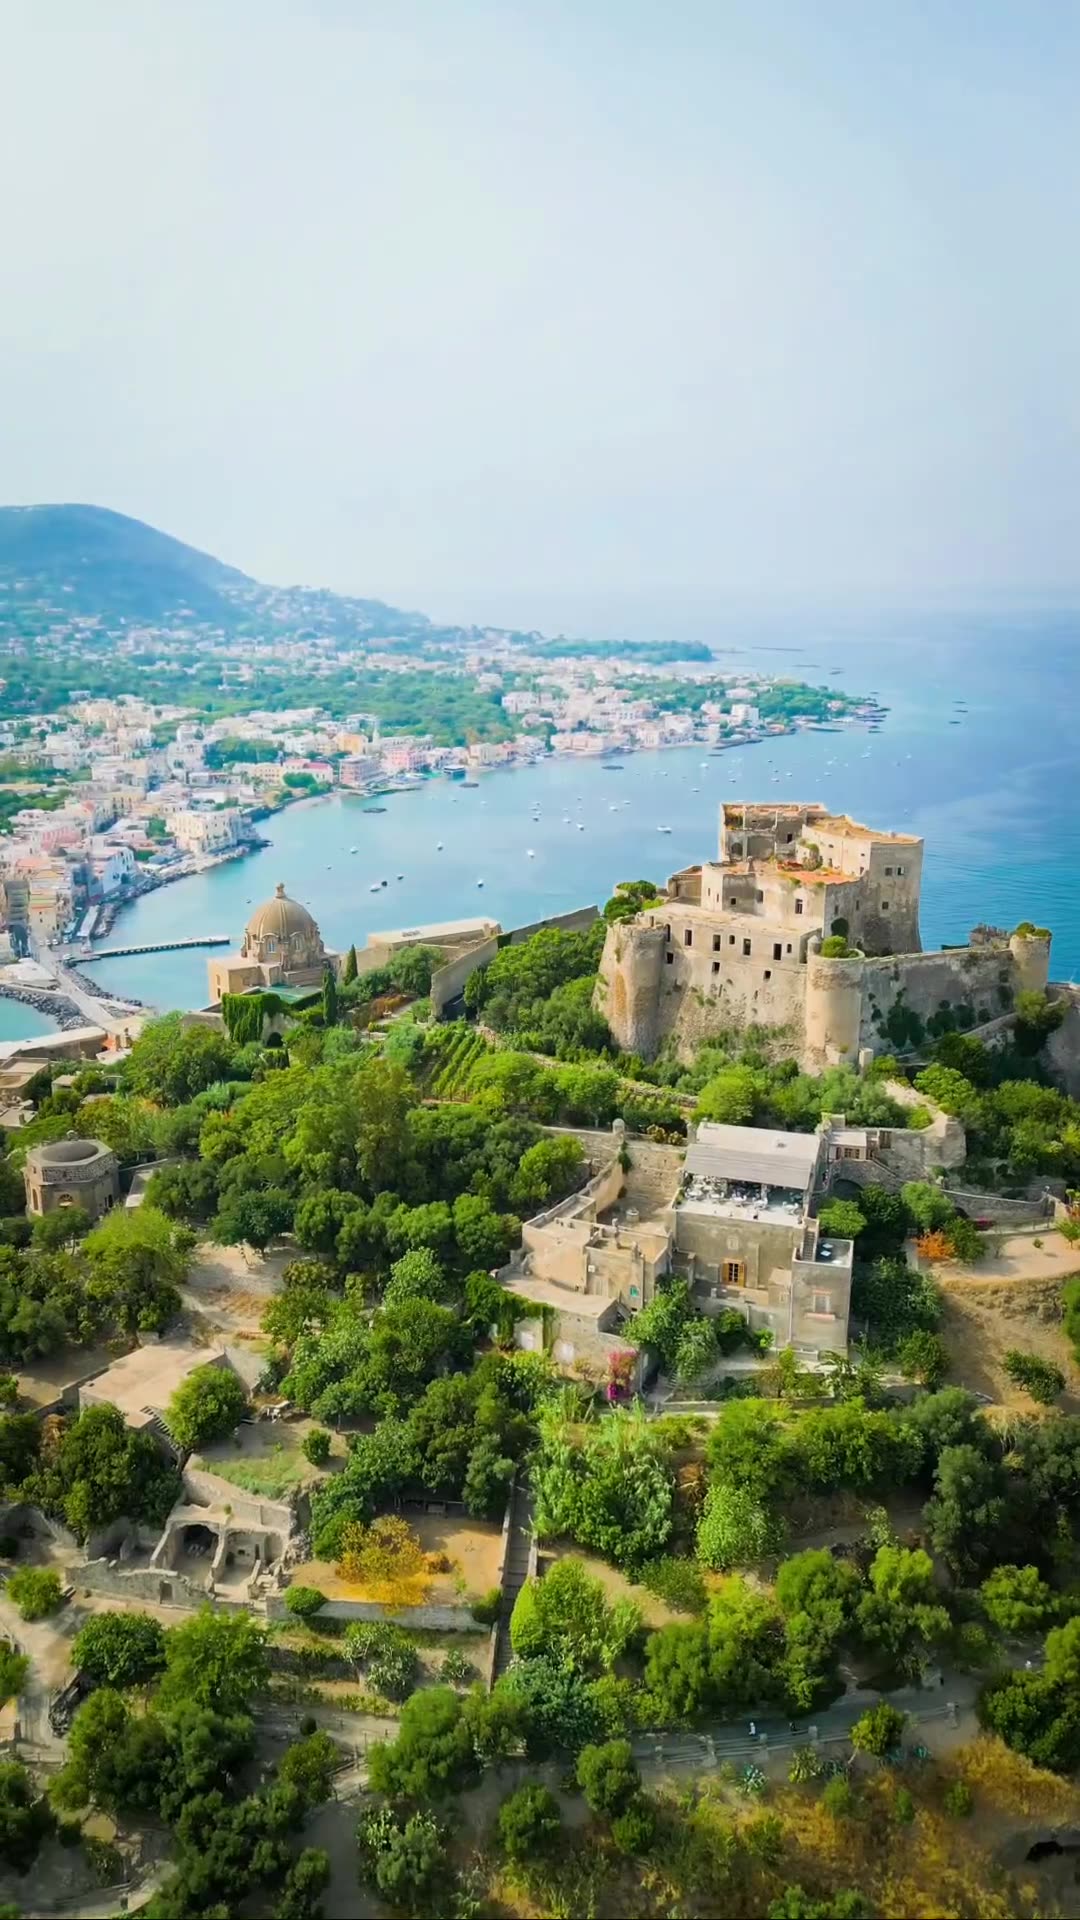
[(435, 930), (754, 1155), (143, 1382), (545, 1293)]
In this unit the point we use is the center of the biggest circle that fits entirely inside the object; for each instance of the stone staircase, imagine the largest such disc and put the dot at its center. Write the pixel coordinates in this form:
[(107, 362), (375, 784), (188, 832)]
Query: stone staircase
[(520, 1562)]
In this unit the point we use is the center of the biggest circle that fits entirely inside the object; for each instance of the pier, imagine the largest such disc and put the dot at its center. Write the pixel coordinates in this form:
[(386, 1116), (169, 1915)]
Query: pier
[(156, 946)]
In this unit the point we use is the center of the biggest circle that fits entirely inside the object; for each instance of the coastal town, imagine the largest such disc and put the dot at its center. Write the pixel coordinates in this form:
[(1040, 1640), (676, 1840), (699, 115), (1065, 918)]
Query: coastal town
[(107, 797)]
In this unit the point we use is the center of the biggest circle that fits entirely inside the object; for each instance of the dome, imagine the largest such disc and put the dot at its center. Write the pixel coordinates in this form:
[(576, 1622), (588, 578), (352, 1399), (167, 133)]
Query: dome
[(282, 920)]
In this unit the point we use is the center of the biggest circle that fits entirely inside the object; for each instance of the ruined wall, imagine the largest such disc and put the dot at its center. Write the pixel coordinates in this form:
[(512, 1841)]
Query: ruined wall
[(628, 986)]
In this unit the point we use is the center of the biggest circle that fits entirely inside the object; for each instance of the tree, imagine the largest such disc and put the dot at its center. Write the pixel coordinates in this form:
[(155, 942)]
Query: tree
[(751, 1444), (661, 1325), (316, 1446), (215, 1660), (205, 1406), (187, 1191), (25, 1818), (384, 1098), (302, 1885), (14, 1668), (567, 1615), (36, 1591), (99, 1471), (924, 1357), (119, 1649), (404, 1857), (416, 1276), (329, 999), (927, 1206), (879, 1730), (309, 1765), (61, 1229), (677, 1679), (730, 1097), (1016, 1599), (433, 1753), (172, 1063), (608, 1777), (901, 1614), (965, 1515), (841, 1219), (253, 1219), (795, 1904), (547, 1171), (734, 1527), (349, 974), (529, 1823), (1040, 1378)]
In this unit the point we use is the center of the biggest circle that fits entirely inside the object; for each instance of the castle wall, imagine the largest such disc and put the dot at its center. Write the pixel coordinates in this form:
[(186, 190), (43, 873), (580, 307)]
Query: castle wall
[(978, 979), (628, 992)]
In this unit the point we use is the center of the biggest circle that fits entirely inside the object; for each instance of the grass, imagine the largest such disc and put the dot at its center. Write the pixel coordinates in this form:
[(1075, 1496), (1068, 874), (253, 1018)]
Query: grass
[(272, 1474)]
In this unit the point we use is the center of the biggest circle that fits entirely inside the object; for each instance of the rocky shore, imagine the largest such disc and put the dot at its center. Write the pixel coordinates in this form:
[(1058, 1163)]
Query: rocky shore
[(56, 1005)]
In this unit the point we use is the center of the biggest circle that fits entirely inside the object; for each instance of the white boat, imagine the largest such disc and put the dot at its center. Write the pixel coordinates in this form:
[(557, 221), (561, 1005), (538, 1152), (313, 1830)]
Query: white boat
[(580, 828), (479, 883), (401, 876), (529, 854), (374, 887), (663, 829), (352, 849), (438, 846)]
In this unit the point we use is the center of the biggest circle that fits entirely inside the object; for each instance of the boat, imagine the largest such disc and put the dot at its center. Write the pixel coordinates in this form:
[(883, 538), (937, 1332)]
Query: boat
[(663, 829), (613, 767), (352, 849), (438, 846), (374, 887), (382, 883), (479, 883), (470, 783), (529, 854), (401, 876), (374, 809)]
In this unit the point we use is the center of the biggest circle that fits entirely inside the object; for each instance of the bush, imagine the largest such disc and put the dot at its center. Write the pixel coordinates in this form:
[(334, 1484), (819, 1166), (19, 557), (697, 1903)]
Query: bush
[(304, 1602), (119, 1649), (608, 1777), (879, 1730), (316, 1447), (1040, 1378), (36, 1591), (841, 1219), (529, 1823), (835, 947), (634, 1830), (837, 1798), (679, 1583), (903, 1807), (486, 1610), (959, 1800), (457, 1669)]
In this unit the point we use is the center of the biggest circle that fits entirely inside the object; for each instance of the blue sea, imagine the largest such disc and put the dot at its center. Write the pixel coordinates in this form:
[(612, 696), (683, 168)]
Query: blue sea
[(990, 795)]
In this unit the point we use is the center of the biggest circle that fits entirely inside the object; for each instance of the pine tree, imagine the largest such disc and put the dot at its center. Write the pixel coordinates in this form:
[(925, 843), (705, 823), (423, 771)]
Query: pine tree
[(350, 972)]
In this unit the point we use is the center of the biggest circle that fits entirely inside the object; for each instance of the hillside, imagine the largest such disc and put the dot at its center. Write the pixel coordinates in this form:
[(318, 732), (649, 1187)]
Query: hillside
[(59, 563)]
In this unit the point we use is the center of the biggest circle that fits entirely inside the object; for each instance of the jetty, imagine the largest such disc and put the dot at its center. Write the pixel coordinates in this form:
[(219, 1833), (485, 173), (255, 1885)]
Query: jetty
[(156, 946)]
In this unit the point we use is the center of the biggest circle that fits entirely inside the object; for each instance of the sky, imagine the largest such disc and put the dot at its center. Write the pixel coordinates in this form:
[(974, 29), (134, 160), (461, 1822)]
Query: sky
[(571, 314)]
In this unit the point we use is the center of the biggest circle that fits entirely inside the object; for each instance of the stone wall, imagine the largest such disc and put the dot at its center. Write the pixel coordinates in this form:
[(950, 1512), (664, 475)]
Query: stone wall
[(431, 1619), (577, 921), (447, 981)]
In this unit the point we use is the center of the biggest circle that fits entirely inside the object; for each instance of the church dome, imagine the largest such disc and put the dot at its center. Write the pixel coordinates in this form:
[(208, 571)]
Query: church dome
[(284, 921)]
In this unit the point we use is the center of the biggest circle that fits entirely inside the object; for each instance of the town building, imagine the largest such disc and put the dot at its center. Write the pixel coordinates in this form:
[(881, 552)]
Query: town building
[(806, 924), (71, 1173)]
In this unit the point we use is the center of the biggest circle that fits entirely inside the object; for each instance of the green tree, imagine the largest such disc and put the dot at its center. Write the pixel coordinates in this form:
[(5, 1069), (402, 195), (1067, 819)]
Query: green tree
[(119, 1649), (101, 1471), (36, 1591), (966, 1513), (1016, 1599), (567, 1615), (529, 1823), (172, 1063), (329, 998), (25, 1819), (751, 1444), (608, 1777), (433, 1753), (730, 1097), (215, 1660), (14, 1668), (309, 1765), (349, 974), (927, 1206), (879, 1730), (841, 1219), (308, 1876), (61, 1229), (405, 1858), (206, 1406)]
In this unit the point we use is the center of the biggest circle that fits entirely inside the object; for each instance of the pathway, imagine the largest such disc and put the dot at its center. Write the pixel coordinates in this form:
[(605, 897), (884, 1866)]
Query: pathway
[(518, 1556)]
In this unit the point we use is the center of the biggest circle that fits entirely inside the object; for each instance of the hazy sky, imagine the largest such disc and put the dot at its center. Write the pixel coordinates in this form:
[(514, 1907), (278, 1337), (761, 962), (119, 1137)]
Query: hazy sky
[(535, 311)]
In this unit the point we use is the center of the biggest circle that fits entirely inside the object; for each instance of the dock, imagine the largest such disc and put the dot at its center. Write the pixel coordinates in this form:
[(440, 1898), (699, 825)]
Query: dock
[(156, 946)]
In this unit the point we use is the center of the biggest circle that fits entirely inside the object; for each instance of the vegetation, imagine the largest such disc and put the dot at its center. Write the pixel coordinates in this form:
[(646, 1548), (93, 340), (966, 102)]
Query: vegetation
[(205, 1406)]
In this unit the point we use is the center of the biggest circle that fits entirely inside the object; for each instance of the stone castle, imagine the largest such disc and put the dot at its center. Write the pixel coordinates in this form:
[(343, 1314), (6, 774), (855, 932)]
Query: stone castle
[(808, 923)]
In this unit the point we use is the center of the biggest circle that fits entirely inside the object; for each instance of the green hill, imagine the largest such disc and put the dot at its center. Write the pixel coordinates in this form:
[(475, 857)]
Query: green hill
[(59, 563)]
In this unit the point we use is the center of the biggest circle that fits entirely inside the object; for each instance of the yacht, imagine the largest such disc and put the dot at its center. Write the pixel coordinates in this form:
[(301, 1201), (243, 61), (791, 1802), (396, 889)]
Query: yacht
[(663, 829)]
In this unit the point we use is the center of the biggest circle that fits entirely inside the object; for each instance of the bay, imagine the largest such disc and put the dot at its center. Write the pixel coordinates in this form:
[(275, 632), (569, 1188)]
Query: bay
[(989, 795)]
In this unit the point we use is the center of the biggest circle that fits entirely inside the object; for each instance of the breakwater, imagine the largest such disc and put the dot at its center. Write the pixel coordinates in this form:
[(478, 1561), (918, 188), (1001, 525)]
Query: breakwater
[(62, 1011)]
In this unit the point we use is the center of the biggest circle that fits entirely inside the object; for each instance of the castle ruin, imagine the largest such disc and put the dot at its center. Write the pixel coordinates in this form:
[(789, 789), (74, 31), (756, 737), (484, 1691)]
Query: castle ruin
[(807, 923)]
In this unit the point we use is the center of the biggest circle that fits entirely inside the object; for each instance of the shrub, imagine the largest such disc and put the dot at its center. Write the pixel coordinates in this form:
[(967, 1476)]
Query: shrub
[(457, 1669), (529, 1823), (903, 1807), (679, 1583), (316, 1447), (205, 1406), (634, 1830), (842, 1219), (835, 947), (36, 1591), (119, 1649), (837, 1797), (608, 1777), (959, 1800), (1040, 1378), (304, 1602), (486, 1610), (879, 1730)]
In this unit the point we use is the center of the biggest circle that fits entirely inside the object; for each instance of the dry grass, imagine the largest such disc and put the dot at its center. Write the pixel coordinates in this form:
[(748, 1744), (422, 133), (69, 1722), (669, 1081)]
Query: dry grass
[(983, 1319)]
